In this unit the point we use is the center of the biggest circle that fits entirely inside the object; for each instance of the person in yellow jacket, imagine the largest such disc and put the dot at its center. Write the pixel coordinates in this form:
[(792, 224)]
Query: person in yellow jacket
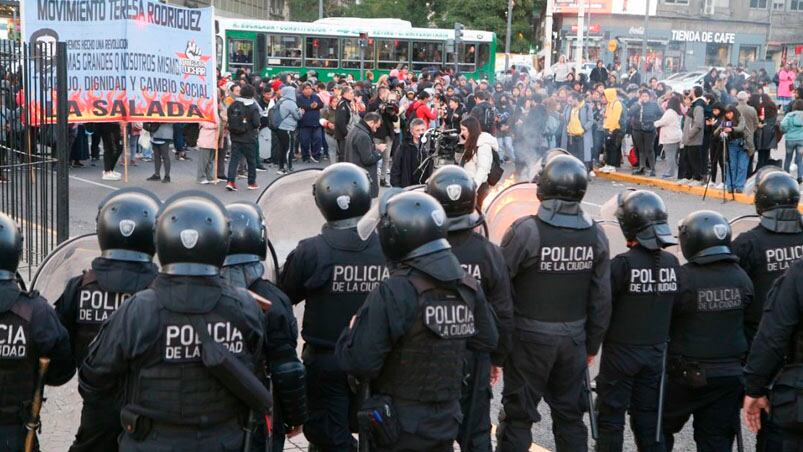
[(614, 131)]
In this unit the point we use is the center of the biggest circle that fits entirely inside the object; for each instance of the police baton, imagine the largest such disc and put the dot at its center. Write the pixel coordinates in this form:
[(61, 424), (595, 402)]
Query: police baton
[(34, 423), (592, 415), (661, 387), (364, 391)]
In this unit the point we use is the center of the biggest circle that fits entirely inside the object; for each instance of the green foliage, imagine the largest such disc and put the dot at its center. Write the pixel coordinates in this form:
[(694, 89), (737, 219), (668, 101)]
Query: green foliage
[(488, 15)]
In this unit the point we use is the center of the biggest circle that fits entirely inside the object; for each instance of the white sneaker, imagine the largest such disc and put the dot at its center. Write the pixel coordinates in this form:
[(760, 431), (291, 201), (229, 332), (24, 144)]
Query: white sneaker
[(205, 182), (117, 174), (592, 174), (694, 183), (111, 176), (683, 181), (720, 186)]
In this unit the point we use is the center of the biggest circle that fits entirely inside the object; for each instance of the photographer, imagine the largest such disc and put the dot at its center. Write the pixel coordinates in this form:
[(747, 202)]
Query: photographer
[(453, 114), (407, 160), (389, 111), (732, 131)]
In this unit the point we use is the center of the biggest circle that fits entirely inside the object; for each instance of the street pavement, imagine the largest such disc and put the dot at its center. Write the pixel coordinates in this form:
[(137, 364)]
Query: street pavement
[(61, 413)]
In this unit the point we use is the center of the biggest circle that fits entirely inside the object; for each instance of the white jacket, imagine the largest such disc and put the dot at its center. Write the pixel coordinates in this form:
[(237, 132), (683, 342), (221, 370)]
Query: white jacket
[(480, 165), (671, 130)]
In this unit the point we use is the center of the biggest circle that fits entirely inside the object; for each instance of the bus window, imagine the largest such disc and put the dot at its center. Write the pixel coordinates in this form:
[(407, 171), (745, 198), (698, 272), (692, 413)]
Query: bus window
[(468, 57), (219, 50), (483, 55), (241, 53), (351, 54), (284, 50), (321, 52), (427, 54), (392, 53)]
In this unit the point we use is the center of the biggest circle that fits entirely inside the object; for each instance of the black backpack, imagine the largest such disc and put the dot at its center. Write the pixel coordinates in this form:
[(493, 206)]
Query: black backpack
[(151, 127), (238, 119), (275, 118), (496, 172)]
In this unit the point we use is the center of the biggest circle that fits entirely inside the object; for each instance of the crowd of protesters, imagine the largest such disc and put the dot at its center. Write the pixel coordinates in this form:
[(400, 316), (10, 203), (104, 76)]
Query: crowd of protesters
[(727, 127)]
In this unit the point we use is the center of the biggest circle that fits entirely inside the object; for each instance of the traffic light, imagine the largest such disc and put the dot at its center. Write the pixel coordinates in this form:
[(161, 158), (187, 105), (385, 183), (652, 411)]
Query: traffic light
[(458, 31)]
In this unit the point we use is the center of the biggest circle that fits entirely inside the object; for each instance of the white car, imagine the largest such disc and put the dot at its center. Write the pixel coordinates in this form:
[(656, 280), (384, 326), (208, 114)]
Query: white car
[(685, 82)]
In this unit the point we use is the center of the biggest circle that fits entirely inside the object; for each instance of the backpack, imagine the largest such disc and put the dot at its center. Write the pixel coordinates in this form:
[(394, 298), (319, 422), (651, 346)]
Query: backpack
[(496, 172), (275, 118), (151, 127), (238, 119), (488, 119)]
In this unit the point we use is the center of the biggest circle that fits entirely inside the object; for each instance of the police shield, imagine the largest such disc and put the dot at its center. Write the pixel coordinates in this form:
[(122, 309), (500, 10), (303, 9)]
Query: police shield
[(290, 213), (512, 203), (68, 260), (743, 224)]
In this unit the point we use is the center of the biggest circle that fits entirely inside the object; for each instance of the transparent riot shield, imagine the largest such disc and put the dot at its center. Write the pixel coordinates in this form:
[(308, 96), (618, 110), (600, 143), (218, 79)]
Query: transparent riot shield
[(68, 260), (512, 203), (290, 214), (617, 244), (743, 224)]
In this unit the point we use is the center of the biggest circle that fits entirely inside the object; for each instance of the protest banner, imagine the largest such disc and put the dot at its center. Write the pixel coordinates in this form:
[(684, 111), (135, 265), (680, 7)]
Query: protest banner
[(130, 60)]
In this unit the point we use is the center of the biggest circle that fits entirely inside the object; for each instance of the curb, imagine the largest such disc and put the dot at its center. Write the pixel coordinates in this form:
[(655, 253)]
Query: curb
[(674, 186)]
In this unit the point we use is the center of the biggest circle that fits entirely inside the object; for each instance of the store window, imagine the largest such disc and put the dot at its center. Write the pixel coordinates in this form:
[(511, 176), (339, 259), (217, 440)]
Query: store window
[(747, 55), (284, 50), (351, 54), (241, 53), (796, 5), (427, 54), (758, 4), (717, 54), (321, 52), (392, 53)]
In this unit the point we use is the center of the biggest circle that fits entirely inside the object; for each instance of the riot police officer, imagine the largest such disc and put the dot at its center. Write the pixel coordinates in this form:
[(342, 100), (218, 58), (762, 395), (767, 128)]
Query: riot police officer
[(778, 346), (768, 250), (332, 273), (455, 190), (31, 330), (707, 340), (186, 352), (125, 223), (560, 270), (415, 330), (644, 284), (243, 268)]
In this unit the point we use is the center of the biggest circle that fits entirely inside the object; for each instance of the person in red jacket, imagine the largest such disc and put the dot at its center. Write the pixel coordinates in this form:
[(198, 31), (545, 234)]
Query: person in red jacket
[(423, 109)]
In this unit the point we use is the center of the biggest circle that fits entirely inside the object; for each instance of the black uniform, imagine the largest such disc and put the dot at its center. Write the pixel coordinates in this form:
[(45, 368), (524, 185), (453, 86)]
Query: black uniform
[(87, 302), (778, 346), (483, 260), (765, 255), (644, 284), (560, 272), (29, 329), (332, 273), (706, 347), (150, 350), (281, 330), (411, 338)]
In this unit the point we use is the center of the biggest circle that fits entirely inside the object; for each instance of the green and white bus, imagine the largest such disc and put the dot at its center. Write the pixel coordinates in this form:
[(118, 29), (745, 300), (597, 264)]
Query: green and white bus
[(331, 46)]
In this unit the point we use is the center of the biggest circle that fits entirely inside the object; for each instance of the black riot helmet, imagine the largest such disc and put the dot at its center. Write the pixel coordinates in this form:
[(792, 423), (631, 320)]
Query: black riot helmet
[(342, 192), (249, 235), (642, 216), (704, 234), (776, 190), (413, 224), (125, 224), (192, 234), (10, 247), (564, 178), (541, 163), (457, 192)]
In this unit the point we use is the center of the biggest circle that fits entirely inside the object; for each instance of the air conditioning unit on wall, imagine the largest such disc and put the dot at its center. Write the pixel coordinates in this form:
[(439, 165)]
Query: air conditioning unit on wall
[(708, 7)]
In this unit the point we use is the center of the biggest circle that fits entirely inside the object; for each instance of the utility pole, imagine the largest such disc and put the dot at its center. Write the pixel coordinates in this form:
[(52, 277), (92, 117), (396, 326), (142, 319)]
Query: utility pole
[(644, 41), (320, 9), (550, 5), (363, 42), (458, 39), (578, 53), (507, 35)]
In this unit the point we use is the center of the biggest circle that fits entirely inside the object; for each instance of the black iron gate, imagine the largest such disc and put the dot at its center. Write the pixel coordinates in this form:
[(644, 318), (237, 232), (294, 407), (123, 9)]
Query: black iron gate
[(34, 145)]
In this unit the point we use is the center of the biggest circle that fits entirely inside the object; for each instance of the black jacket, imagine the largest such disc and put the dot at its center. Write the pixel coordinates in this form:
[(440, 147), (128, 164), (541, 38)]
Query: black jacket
[(599, 75), (342, 118), (389, 117), (404, 171), (253, 118), (360, 151)]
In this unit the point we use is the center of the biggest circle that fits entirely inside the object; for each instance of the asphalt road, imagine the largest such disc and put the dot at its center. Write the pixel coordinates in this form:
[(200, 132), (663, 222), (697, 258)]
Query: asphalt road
[(61, 414)]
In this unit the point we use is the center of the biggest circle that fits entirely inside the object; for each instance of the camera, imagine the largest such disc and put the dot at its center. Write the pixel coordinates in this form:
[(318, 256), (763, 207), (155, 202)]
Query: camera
[(503, 117), (441, 146), (391, 108)]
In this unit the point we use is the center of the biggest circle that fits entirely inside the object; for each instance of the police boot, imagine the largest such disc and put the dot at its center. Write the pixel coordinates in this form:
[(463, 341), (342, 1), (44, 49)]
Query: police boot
[(609, 441)]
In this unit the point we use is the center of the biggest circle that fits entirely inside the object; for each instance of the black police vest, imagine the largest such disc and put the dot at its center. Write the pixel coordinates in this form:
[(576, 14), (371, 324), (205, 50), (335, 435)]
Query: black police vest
[(347, 277), (776, 253), (641, 314), (95, 306), (18, 362), (714, 329), (426, 365), (172, 385), (471, 250), (555, 288)]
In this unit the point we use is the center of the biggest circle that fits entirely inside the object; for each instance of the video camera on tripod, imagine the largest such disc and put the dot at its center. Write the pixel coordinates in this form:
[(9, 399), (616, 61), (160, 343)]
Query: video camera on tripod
[(441, 146)]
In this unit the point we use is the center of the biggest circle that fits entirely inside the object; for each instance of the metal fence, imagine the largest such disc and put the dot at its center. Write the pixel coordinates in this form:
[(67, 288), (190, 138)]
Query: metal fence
[(34, 145)]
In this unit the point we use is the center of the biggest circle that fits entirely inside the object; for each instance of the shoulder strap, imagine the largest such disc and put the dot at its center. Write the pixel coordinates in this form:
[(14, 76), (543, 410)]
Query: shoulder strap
[(23, 308), (421, 283), (88, 278)]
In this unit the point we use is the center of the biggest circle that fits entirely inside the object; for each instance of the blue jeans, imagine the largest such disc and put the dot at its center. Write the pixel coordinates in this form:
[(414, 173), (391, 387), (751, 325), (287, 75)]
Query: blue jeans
[(178, 137), (506, 148), (310, 142), (736, 175), (795, 147)]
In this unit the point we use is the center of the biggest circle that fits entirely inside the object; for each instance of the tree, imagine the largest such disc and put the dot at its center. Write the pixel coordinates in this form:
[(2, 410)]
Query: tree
[(491, 15)]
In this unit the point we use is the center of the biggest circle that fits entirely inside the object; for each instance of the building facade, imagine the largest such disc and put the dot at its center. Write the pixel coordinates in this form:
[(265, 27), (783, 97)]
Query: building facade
[(691, 34), (245, 9)]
